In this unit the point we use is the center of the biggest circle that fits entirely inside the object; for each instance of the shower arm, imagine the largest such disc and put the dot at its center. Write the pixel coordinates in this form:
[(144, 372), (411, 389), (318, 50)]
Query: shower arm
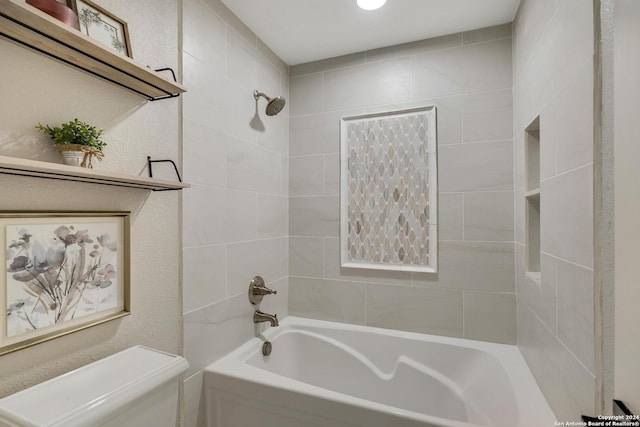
[(257, 95)]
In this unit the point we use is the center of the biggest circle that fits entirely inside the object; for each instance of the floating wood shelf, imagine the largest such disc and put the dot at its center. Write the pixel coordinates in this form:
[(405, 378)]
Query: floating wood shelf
[(24, 167), (28, 26)]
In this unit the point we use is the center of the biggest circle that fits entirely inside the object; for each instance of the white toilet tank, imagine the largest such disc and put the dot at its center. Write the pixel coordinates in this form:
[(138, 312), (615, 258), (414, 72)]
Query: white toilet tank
[(137, 387)]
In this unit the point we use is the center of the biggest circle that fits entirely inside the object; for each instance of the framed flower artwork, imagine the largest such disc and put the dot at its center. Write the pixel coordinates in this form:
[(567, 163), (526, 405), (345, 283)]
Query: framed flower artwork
[(63, 271)]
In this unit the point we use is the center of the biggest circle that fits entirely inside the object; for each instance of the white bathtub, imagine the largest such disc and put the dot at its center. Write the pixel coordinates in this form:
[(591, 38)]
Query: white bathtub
[(337, 375)]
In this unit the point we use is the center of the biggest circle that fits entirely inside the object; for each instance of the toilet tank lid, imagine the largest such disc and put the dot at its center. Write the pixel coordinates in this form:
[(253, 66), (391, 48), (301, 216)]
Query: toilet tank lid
[(93, 392)]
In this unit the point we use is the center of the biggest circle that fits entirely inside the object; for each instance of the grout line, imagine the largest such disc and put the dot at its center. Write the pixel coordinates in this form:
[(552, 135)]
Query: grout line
[(235, 242), (486, 141), (226, 271), (567, 172), (463, 328), (567, 261), (243, 190), (463, 222)]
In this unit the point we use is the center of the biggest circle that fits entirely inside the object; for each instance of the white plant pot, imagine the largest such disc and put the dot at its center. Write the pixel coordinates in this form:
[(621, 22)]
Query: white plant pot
[(72, 158)]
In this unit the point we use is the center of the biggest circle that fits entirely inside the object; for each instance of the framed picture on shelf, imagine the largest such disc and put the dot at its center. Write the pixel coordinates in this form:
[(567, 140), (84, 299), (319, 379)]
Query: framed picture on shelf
[(103, 26), (63, 272)]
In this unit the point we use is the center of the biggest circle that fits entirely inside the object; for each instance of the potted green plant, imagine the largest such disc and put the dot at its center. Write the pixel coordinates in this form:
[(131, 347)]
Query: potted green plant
[(77, 141)]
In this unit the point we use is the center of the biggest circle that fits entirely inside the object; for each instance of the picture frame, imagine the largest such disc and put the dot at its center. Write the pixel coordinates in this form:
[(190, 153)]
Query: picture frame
[(389, 191), (63, 272), (102, 26)]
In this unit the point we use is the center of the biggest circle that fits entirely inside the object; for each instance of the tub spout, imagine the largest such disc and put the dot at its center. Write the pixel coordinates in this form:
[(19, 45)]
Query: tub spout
[(259, 317)]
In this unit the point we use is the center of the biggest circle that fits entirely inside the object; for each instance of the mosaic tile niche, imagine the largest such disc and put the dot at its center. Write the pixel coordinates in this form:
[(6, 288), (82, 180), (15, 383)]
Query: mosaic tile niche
[(388, 191)]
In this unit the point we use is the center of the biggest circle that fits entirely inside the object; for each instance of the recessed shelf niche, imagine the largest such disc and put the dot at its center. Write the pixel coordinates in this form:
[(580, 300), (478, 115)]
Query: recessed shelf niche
[(532, 198)]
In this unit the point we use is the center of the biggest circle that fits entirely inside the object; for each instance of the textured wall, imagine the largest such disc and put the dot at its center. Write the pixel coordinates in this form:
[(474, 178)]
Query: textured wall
[(627, 202), (38, 89), (468, 76), (553, 69), (235, 215)]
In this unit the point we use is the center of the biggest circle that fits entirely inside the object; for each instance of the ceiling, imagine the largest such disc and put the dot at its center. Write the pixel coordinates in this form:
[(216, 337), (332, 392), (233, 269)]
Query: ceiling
[(308, 30)]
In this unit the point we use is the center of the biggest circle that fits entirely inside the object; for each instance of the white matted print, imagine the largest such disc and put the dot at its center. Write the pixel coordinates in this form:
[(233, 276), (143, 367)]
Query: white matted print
[(388, 191), (103, 26), (63, 272)]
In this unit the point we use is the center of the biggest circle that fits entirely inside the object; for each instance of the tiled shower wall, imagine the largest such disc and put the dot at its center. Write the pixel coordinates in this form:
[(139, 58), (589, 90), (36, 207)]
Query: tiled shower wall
[(468, 76), (235, 213), (553, 69)]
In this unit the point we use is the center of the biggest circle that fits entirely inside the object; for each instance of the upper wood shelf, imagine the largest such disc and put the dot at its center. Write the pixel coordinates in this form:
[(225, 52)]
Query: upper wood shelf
[(24, 167), (28, 26)]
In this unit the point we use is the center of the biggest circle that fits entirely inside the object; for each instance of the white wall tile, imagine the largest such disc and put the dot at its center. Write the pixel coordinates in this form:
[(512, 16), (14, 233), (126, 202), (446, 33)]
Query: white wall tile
[(306, 176), (565, 46), (576, 325), (306, 256), (251, 167), (317, 133), (488, 216), (482, 35), (488, 116), (273, 216), (573, 125), (232, 20), (553, 53), (314, 216), (268, 81), (523, 98), (415, 48), (519, 168), (218, 215), (328, 64), (479, 266), (540, 296), (213, 331), (548, 142), (532, 18), (204, 276), (450, 214), (567, 385), (490, 316), (520, 204), (241, 62), (270, 56), (237, 159), (431, 311), (331, 174), (473, 68), (200, 22), (275, 135), (204, 155), (378, 83), (327, 300), (199, 105), (566, 216), (255, 258), (479, 166), (306, 93)]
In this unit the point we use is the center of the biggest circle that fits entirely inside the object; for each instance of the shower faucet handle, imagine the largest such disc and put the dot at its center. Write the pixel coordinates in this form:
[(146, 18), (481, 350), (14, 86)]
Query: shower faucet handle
[(257, 290)]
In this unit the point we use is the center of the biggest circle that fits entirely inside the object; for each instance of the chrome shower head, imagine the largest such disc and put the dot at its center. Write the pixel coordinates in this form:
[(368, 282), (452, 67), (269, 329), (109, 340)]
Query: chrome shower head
[(274, 105)]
